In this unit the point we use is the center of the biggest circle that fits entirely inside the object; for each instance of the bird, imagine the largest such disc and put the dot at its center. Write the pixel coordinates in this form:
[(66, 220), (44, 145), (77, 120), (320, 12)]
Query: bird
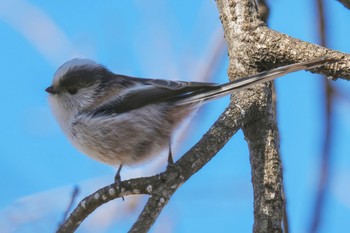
[(124, 120)]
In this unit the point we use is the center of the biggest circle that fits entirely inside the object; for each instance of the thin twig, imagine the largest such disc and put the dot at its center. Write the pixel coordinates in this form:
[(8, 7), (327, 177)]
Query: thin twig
[(70, 205), (328, 134)]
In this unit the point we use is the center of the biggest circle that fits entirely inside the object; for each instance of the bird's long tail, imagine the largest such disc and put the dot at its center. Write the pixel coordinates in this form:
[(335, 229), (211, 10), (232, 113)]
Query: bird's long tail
[(246, 82)]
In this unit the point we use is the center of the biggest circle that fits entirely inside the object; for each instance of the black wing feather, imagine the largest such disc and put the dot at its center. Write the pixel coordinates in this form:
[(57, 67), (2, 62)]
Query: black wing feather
[(153, 91)]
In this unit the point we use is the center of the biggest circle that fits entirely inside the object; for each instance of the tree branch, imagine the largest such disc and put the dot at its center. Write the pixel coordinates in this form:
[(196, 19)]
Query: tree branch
[(252, 48), (104, 195), (240, 19)]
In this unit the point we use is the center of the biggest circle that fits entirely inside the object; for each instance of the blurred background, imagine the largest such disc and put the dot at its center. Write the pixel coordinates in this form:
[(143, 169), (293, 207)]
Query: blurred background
[(181, 40)]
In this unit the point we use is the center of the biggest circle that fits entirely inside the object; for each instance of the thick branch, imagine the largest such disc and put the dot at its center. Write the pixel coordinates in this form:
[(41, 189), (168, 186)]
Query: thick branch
[(240, 20), (252, 47)]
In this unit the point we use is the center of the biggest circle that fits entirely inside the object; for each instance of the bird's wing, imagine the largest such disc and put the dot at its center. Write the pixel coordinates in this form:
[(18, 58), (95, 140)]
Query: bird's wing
[(151, 91)]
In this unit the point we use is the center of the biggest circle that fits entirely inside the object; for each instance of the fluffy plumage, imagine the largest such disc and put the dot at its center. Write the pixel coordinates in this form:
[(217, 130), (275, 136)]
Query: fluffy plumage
[(118, 119)]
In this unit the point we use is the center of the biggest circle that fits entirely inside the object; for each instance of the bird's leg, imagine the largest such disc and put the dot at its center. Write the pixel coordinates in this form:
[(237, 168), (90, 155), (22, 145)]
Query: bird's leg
[(117, 178), (170, 156), (171, 165)]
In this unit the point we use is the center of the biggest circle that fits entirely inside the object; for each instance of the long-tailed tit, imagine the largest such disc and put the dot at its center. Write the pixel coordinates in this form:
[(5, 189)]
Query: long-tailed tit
[(117, 119)]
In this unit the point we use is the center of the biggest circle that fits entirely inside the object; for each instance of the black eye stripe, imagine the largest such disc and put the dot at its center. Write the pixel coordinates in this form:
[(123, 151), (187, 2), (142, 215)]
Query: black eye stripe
[(81, 77), (77, 78)]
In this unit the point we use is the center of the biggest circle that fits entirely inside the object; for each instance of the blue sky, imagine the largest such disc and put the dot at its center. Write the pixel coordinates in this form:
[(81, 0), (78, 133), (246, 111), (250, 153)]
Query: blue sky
[(158, 39)]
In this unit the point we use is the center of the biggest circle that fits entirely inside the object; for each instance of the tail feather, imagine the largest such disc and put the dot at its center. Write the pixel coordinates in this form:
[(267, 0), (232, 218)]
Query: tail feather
[(246, 82)]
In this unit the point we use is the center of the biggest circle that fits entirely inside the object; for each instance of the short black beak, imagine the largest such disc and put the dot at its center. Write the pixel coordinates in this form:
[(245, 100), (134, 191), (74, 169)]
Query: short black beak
[(51, 90)]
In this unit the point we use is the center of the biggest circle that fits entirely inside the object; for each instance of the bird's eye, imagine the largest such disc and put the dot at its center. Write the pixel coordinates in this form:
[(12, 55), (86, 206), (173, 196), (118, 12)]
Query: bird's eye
[(72, 90)]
